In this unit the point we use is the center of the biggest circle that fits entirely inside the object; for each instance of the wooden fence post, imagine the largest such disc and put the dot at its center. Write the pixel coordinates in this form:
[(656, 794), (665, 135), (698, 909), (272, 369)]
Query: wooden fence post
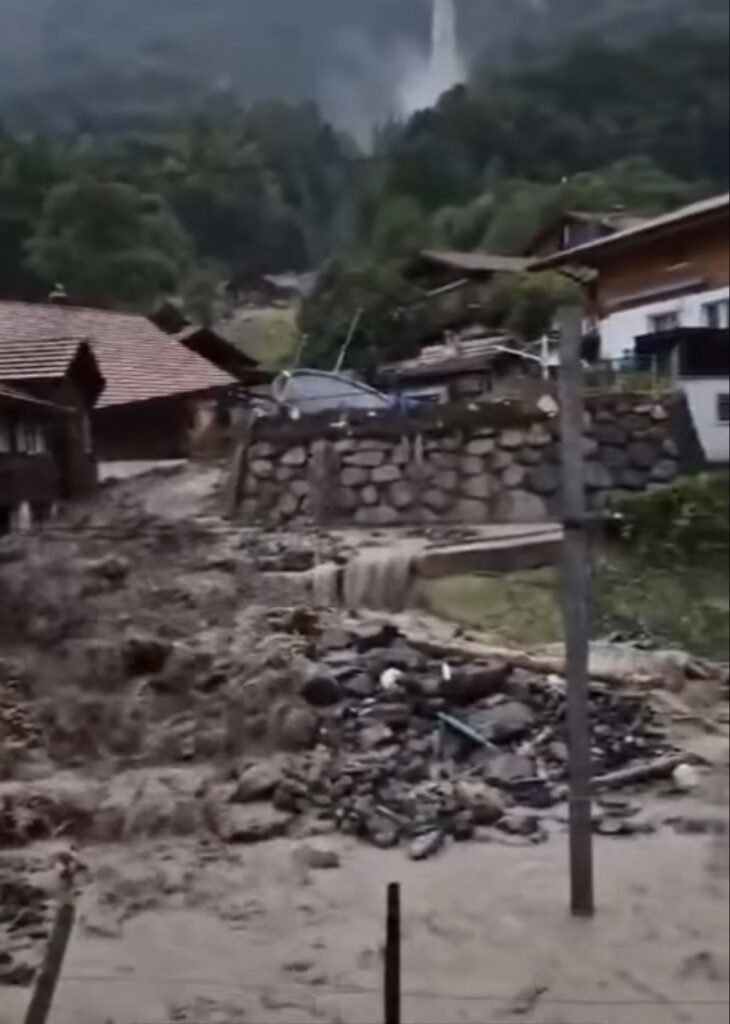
[(392, 991)]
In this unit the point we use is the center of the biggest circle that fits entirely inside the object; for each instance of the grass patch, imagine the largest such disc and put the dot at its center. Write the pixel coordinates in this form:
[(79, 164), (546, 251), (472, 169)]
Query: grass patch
[(270, 336), (686, 607)]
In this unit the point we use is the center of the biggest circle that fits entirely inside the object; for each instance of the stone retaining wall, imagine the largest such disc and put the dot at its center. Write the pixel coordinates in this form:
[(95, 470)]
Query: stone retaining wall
[(495, 464)]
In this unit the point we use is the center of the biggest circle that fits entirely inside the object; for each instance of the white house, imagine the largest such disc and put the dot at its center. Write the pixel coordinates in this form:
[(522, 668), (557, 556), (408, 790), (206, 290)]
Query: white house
[(670, 278)]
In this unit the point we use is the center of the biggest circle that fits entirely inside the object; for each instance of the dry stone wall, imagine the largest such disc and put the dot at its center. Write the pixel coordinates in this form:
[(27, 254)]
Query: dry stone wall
[(499, 464)]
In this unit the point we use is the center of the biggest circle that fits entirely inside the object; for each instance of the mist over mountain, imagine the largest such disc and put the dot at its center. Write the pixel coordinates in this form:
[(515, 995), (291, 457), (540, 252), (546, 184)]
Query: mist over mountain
[(347, 54)]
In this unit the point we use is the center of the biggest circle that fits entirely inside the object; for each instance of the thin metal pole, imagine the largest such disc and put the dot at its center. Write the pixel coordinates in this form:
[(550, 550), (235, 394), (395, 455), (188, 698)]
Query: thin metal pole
[(45, 988), (576, 587), (392, 991)]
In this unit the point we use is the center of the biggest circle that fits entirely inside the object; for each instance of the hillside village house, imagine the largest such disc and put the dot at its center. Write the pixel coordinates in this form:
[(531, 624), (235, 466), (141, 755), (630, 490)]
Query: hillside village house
[(43, 458), (50, 387), (662, 288), (157, 389)]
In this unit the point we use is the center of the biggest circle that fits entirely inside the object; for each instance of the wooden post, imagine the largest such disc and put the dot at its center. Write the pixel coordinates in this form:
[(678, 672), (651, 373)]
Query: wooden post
[(576, 586), (45, 987), (392, 992)]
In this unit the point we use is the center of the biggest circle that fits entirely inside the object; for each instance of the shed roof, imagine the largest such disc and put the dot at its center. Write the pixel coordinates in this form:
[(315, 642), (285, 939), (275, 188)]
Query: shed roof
[(476, 262), (138, 360), (592, 253)]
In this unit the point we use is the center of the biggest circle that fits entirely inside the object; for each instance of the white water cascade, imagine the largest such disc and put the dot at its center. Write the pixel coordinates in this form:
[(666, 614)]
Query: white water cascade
[(427, 80), (447, 66)]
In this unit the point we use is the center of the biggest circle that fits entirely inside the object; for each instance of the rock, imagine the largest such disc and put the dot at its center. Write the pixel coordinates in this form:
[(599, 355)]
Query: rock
[(520, 507), (511, 439), (613, 826), (686, 778), (426, 845), (386, 474), (360, 685), (369, 495), (294, 457), (642, 455), (253, 824), (402, 494), (382, 832), (257, 782), (478, 487), (353, 476), (502, 460), (614, 458), (295, 727), (447, 480), (320, 688), (508, 769), (376, 735), (111, 568), (509, 721), (530, 456), (143, 654), (436, 500), (631, 479), (480, 446), (375, 637), (317, 857), (379, 515), (466, 685), (518, 824), (472, 466), (659, 414), (289, 505), (664, 471), (514, 476), (462, 827), (262, 469), (597, 477), (300, 488), (366, 459), (470, 510), (611, 434), (544, 479), (484, 803)]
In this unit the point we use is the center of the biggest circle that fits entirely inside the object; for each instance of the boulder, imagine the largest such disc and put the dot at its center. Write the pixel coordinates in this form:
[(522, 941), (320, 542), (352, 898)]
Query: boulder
[(505, 722), (514, 476), (386, 474), (143, 654), (294, 457), (481, 446), (255, 824), (365, 459), (262, 469), (472, 465), (369, 495), (485, 804), (257, 782), (402, 494), (478, 487), (316, 857), (470, 510), (447, 480), (611, 433), (502, 460), (511, 439), (643, 455), (436, 499), (353, 476), (520, 507), (320, 688), (544, 479), (597, 477), (664, 471)]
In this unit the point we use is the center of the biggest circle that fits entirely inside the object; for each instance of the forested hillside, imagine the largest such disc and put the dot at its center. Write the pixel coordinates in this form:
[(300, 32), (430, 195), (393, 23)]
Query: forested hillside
[(157, 187)]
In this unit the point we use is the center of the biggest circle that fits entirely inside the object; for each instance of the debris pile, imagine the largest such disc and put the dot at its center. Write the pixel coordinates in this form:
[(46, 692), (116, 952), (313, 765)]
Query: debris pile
[(24, 922), (414, 748)]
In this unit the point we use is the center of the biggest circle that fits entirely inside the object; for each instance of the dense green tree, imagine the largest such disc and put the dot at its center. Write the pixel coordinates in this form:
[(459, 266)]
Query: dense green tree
[(109, 244)]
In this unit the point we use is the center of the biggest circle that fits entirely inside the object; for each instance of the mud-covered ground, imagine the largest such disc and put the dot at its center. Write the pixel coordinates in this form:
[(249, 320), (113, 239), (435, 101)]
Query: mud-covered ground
[(145, 655)]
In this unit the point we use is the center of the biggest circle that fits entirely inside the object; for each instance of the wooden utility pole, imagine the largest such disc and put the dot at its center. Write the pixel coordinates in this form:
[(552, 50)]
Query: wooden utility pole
[(45, 987), (392, 988), (576, 587)]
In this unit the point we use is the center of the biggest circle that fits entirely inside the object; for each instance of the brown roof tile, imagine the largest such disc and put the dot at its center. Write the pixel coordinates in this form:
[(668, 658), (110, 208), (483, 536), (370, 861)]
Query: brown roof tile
[(138, 360)]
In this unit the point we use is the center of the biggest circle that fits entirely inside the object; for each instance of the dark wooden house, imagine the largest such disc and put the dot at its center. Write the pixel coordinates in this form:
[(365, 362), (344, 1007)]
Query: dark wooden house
[(155, 388), (38, 447), (49, 389)]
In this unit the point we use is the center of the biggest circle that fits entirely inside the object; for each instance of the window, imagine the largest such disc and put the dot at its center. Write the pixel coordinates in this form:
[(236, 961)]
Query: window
[(723, 408), (30, 438), (6, 435), (716, 315), (661, 322)]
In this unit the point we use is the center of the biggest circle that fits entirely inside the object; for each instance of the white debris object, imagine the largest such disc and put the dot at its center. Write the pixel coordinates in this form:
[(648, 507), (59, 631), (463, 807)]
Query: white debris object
[(686, 778), (390, 680)]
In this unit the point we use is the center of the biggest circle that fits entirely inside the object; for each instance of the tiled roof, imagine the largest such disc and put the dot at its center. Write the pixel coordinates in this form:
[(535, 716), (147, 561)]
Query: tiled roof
[(138, 360), (36, 358)]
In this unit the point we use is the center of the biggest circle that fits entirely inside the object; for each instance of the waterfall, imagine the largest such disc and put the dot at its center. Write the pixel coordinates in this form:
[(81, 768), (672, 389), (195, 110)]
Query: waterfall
[(447, 66), (425, 80)]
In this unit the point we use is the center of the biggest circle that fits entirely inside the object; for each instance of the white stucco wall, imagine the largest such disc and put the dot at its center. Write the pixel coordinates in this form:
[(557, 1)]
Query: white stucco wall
[(619, 332), (702, 395), (620, 329)]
